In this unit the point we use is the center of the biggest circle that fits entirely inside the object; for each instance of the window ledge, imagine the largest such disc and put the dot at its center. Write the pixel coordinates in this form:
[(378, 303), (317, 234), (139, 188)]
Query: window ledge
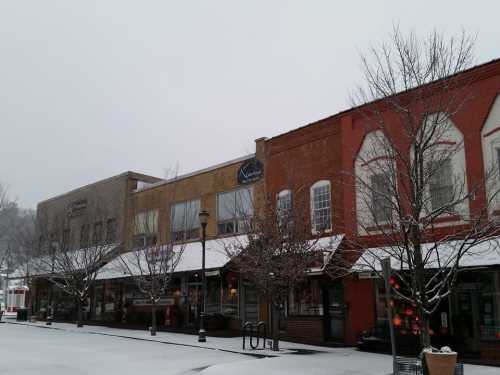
[(448, 218), (326, 231), (379, 228)]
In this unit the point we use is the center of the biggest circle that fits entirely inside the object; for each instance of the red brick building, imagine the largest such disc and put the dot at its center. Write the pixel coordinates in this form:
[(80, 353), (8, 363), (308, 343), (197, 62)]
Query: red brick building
[(320, 158)]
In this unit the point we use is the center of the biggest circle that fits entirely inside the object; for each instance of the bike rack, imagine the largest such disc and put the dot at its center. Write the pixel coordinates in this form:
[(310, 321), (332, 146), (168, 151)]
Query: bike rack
[(257, 330)]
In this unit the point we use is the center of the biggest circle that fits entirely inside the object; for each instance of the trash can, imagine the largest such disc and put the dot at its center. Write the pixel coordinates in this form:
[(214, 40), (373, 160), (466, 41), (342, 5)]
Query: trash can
[(22, 315)]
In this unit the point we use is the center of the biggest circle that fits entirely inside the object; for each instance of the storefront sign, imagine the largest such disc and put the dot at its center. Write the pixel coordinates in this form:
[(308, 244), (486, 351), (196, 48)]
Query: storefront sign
[(77, 207), (166, 301), (250, 171)]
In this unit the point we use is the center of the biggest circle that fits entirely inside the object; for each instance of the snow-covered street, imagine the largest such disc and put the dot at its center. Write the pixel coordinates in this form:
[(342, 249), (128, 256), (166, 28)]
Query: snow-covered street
[(64, 350)]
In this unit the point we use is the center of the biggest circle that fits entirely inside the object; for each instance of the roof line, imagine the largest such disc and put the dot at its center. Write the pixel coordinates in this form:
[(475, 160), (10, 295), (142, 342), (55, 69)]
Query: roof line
[(352, 109), (107, 179), (197, 172)]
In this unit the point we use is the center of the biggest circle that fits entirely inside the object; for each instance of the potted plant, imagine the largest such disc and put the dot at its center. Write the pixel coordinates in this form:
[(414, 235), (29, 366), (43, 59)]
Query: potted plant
[(440, 361)]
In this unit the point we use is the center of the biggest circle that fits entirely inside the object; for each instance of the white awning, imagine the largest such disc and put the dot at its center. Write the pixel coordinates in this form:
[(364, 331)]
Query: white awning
[(216, 255), (485, 253), (43, 265)]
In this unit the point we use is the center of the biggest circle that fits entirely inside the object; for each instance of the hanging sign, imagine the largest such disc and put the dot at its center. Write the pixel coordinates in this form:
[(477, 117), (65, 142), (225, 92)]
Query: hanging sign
[(250, 171)]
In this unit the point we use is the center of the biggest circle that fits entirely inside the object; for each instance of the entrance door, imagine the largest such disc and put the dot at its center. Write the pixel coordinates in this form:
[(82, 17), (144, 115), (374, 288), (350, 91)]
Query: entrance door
[(194, 303), (466, 317), (334, 312), (250, 303)]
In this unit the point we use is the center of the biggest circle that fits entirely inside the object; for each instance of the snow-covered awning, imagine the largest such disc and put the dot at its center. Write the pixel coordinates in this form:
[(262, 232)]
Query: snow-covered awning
[(43, 265), (328, 245), (483, 254), (216, 256)]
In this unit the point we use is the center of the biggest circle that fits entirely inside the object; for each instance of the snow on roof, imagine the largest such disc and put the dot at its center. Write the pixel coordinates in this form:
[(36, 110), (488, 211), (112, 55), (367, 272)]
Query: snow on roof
[(215, 257), (486, 253), (328, 245), (43, 265)]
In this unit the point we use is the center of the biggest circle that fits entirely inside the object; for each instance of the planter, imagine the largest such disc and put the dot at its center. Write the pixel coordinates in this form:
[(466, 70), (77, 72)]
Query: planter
[(441, 363)]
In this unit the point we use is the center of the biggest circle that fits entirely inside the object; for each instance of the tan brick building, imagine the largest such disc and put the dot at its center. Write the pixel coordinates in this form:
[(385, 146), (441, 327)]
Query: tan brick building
[(230, 193)]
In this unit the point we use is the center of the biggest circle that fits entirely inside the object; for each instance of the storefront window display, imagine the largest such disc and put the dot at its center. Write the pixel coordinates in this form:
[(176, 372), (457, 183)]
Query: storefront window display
[(306, 299), (213, 302), (489, 307), (230, 295), (404, 315)]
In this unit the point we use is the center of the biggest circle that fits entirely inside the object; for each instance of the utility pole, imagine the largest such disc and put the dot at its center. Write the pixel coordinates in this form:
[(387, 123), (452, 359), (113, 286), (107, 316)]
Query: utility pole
[(386, 269)]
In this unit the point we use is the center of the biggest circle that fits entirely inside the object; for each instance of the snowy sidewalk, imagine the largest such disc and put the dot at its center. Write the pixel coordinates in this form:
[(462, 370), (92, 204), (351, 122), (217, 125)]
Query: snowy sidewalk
[(228, 344), (221, 355)]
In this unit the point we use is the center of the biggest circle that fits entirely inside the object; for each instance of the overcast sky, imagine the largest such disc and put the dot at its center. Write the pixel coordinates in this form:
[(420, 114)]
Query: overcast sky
[(90, 89)]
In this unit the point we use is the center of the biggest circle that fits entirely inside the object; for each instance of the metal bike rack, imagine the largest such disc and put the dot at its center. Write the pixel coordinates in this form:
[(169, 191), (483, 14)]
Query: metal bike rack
[(256, 330)]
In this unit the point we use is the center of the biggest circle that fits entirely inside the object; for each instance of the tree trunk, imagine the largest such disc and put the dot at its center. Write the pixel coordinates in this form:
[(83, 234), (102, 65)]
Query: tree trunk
[(153, 317), (79, 315), (275, 326), (425, 337)]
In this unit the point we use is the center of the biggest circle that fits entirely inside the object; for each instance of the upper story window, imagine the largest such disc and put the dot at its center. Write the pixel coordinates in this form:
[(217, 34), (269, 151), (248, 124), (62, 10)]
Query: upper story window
[(66, 238), (234, 210), (184, 222), (375, 177), (490, 139), (441, 183), (146, 228), (97, 239), (84, 236), (321, 206), (381, 198), (111, 230), (284, 207)]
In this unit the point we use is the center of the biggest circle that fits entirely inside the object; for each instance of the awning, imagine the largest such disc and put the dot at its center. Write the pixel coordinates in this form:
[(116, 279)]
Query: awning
[(216, 256), (328, 245), (43, 265), (485, 253)]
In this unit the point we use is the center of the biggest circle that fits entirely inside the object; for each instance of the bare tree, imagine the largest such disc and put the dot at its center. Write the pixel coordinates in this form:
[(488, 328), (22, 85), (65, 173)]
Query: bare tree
[(410, 176), (151, 264), (277, 252), (71, 265), (7, 208)]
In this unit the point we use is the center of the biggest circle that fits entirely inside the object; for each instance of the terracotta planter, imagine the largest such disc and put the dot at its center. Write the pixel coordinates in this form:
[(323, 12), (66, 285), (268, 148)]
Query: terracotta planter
[(441, 363)]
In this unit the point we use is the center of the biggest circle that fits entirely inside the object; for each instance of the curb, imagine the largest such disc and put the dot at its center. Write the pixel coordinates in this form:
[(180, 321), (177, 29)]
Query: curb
[(254, 355)]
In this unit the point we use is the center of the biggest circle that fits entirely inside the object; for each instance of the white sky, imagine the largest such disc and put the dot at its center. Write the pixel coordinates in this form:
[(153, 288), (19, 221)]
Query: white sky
[(90, 89)]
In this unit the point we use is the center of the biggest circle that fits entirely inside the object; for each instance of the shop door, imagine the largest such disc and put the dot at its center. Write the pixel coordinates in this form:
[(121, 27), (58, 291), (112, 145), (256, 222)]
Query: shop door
[(334, 312), (194, 303), (466, 318), (250, 303)]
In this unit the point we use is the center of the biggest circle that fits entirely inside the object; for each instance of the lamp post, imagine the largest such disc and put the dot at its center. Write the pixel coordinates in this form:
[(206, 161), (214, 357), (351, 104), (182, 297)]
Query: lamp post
[(203, 221)]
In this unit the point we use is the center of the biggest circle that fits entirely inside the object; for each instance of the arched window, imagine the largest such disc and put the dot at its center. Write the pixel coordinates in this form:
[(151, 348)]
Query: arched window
[(375, 183), (490, 139), (321, 206)]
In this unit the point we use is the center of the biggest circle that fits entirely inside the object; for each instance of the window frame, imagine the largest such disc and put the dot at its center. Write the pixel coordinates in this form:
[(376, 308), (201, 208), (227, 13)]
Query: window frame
[(385, 219), (237, 223), (284, 218), (194, 231), (147, 237), (439, 173), (317, 185)]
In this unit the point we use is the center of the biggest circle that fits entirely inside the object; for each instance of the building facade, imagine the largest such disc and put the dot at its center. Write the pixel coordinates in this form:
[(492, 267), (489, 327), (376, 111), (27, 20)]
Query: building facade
[(313, 167), (95, 213), (326, 155), (228, 192)]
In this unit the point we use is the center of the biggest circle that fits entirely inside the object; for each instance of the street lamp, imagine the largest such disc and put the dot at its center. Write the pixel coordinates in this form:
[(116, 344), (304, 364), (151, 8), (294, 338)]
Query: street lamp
[(203, 221)]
